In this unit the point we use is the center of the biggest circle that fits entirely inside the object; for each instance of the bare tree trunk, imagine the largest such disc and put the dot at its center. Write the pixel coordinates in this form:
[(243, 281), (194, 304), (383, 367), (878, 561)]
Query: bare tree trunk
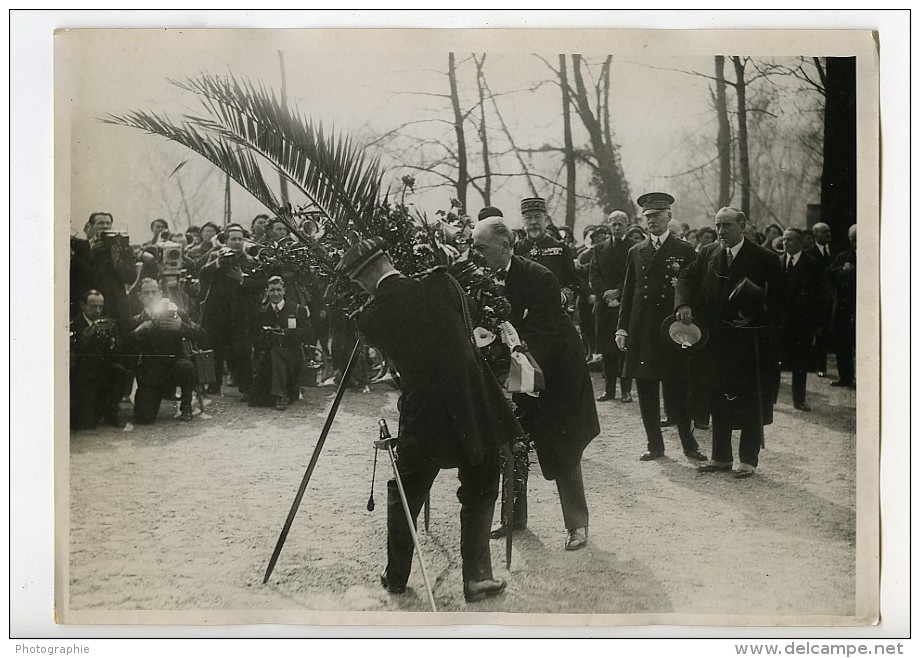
[(744, 167), (614, 191), (462, 172), (723, 140), (284, 186), (483, 136), (569, 149), (838, 177)]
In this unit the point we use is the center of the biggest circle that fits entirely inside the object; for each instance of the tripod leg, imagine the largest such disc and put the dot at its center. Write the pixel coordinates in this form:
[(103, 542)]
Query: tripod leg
[(427, 511), (418, 548)]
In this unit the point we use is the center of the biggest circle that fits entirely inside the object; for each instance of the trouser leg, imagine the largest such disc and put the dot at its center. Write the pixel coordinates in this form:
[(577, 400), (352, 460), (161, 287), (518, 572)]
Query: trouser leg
[(280, 372), (571, 488), (721, 439), (477, 493), (185, 377), (749, 447), (650, 409), (799, 380), (521, 473), (846, 341), (241, 364), (147, 401), (612, 372), (400, 548), (676, 392)]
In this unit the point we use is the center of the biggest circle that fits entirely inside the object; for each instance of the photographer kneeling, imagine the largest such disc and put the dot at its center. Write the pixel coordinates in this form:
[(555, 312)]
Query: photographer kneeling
[(156, 336), (285, 329)]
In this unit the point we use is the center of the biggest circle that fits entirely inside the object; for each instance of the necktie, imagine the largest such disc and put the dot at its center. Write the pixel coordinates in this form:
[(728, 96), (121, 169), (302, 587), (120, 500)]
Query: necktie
[(788, 263), (729, 257)]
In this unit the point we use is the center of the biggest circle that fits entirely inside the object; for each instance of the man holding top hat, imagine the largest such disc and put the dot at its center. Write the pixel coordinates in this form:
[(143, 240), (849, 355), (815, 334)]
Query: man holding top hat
[(453, 412), (561, 419), (652, 270), (735, 289)]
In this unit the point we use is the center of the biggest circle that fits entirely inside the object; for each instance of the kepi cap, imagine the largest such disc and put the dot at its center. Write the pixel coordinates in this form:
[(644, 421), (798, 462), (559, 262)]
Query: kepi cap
[(533, 203), (655, 202)]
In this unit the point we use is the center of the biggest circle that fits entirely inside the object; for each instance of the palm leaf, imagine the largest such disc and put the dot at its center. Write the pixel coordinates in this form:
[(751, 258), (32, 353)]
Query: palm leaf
[(331, 170)]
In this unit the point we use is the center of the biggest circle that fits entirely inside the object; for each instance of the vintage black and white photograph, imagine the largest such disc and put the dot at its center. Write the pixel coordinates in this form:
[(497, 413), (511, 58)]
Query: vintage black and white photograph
[(524, 326)]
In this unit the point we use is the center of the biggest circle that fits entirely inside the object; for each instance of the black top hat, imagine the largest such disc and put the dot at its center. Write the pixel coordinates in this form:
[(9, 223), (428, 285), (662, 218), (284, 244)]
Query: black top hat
[(489, 211), (747, 298), (685, 338), (359, 256)]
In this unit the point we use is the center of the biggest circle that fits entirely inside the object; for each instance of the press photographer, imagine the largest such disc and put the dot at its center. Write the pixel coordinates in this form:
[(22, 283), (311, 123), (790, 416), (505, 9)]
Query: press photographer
[(231, 292), (158, 338), (96, 378), (284, 329), (112, 266)]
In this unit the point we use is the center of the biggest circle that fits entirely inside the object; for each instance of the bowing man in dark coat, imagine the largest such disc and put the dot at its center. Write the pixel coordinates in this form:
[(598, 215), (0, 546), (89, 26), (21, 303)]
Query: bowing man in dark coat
[(802, 313), (728, 359), (284, 329), (652, 269), (608, 269), (562, 419), (453, 411)]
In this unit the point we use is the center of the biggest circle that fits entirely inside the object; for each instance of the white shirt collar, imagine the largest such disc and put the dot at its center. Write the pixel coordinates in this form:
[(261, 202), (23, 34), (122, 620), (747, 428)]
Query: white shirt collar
[(661, 238), (88, 321), (794, 257), (279, 306), (736, 248), (385, 276)]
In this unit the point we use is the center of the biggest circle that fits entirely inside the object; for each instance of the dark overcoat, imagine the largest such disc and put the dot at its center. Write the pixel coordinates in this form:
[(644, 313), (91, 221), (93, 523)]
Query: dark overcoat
[(156, 352), (608, 269), (727, 362), (453, 410), (563, 419), (228, 302), (648, 298), (554, 256), (803, 311)]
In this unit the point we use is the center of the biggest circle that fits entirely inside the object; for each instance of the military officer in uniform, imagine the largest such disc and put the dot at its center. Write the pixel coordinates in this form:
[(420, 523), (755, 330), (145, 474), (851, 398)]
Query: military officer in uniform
[(562, 419), (453, 412), (729, 361), (652, 268), (552, 254)]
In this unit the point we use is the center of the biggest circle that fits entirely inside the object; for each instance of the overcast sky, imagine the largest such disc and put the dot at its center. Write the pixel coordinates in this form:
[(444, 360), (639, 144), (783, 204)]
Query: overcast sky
[(352, 82)]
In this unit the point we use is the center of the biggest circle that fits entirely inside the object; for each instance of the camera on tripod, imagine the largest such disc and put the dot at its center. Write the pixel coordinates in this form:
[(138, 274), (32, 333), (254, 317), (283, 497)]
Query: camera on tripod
[(171, 259)]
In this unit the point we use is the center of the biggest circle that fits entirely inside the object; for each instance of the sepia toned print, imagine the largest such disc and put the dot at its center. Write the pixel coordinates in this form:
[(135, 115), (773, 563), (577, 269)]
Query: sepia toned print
[(583, 304)]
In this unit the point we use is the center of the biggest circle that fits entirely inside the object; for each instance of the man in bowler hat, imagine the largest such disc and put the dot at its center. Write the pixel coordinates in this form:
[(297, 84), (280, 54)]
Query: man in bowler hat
[(740, 359), (453, 412), (652, 269)]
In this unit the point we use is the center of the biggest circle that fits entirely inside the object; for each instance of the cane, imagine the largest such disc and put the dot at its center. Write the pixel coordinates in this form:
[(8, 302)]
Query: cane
[(509, 502), (387, 442), (306, 476)]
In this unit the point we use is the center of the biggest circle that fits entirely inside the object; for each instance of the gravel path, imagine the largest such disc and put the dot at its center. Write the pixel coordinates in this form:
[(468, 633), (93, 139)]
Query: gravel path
[(183, 516)]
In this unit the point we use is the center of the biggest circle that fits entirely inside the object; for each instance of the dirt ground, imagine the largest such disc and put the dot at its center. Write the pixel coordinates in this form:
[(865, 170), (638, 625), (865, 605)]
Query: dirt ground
[(184, 516)]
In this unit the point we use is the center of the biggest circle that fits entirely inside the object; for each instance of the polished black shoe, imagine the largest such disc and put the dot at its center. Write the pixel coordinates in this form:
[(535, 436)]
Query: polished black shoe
[(605, 397), (701, 426), (651, 455), (392, 588), (802, 406), (499, 532), (186, 415), (626, 397), (668, 422), (713, 466), (696, 455), (844, 384), (576, 539), (113, 421), (477, 590), (281, 402)]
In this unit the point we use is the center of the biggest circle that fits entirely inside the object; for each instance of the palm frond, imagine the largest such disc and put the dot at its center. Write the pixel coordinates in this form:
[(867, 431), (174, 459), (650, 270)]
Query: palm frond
[(329, 169), (238, 163)]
